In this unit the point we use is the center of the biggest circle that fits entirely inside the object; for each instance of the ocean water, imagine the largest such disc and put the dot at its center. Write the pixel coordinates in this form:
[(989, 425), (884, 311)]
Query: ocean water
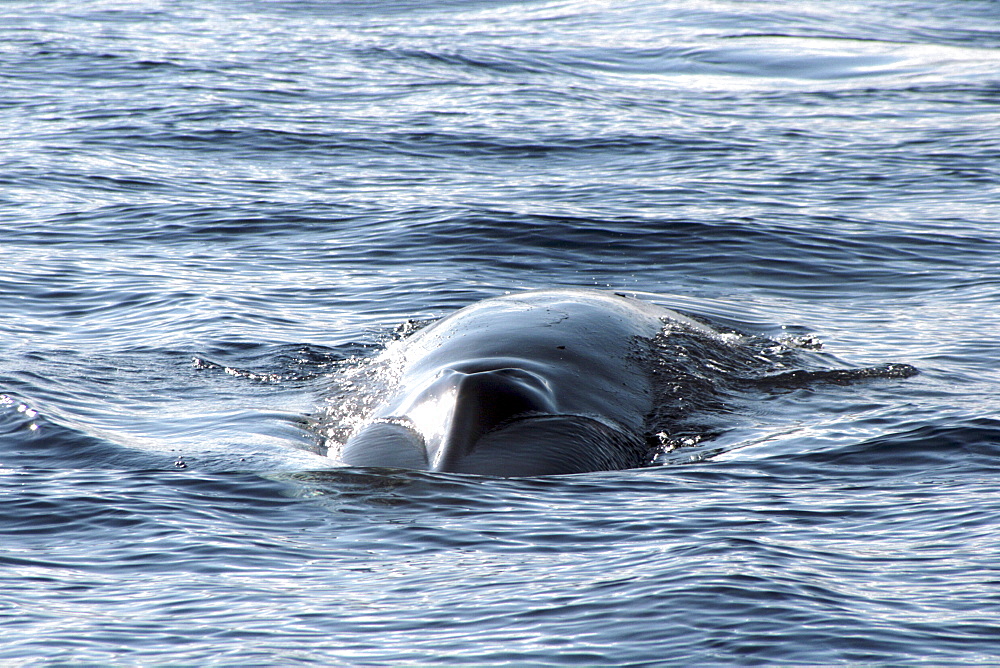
[(211, 213)]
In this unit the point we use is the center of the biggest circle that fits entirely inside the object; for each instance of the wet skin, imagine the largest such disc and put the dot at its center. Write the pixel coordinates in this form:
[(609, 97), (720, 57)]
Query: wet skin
[(534, 383)]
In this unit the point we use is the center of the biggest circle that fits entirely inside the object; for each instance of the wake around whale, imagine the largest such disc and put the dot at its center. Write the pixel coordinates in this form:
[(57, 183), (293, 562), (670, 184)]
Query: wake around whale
[(535, 383)]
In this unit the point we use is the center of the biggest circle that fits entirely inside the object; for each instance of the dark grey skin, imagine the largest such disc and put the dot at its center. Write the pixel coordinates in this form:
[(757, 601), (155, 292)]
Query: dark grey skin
[(535, 383)]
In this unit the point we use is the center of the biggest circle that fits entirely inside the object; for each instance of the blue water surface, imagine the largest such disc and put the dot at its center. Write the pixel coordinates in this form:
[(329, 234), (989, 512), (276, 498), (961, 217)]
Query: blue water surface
[(213, 213)]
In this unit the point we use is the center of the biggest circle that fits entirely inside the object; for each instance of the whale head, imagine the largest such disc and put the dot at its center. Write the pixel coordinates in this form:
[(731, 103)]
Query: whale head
[(487, 420)]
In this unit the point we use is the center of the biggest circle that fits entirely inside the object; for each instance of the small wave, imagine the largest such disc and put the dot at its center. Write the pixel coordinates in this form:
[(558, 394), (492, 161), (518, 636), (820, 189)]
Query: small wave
[(506, 62), (934, 448), (287, 363), (99, 507), (792, 57), (29, 439)]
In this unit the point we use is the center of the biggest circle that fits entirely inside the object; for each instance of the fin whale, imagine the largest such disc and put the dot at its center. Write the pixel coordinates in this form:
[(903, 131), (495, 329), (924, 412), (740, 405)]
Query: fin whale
[(534, 383)]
